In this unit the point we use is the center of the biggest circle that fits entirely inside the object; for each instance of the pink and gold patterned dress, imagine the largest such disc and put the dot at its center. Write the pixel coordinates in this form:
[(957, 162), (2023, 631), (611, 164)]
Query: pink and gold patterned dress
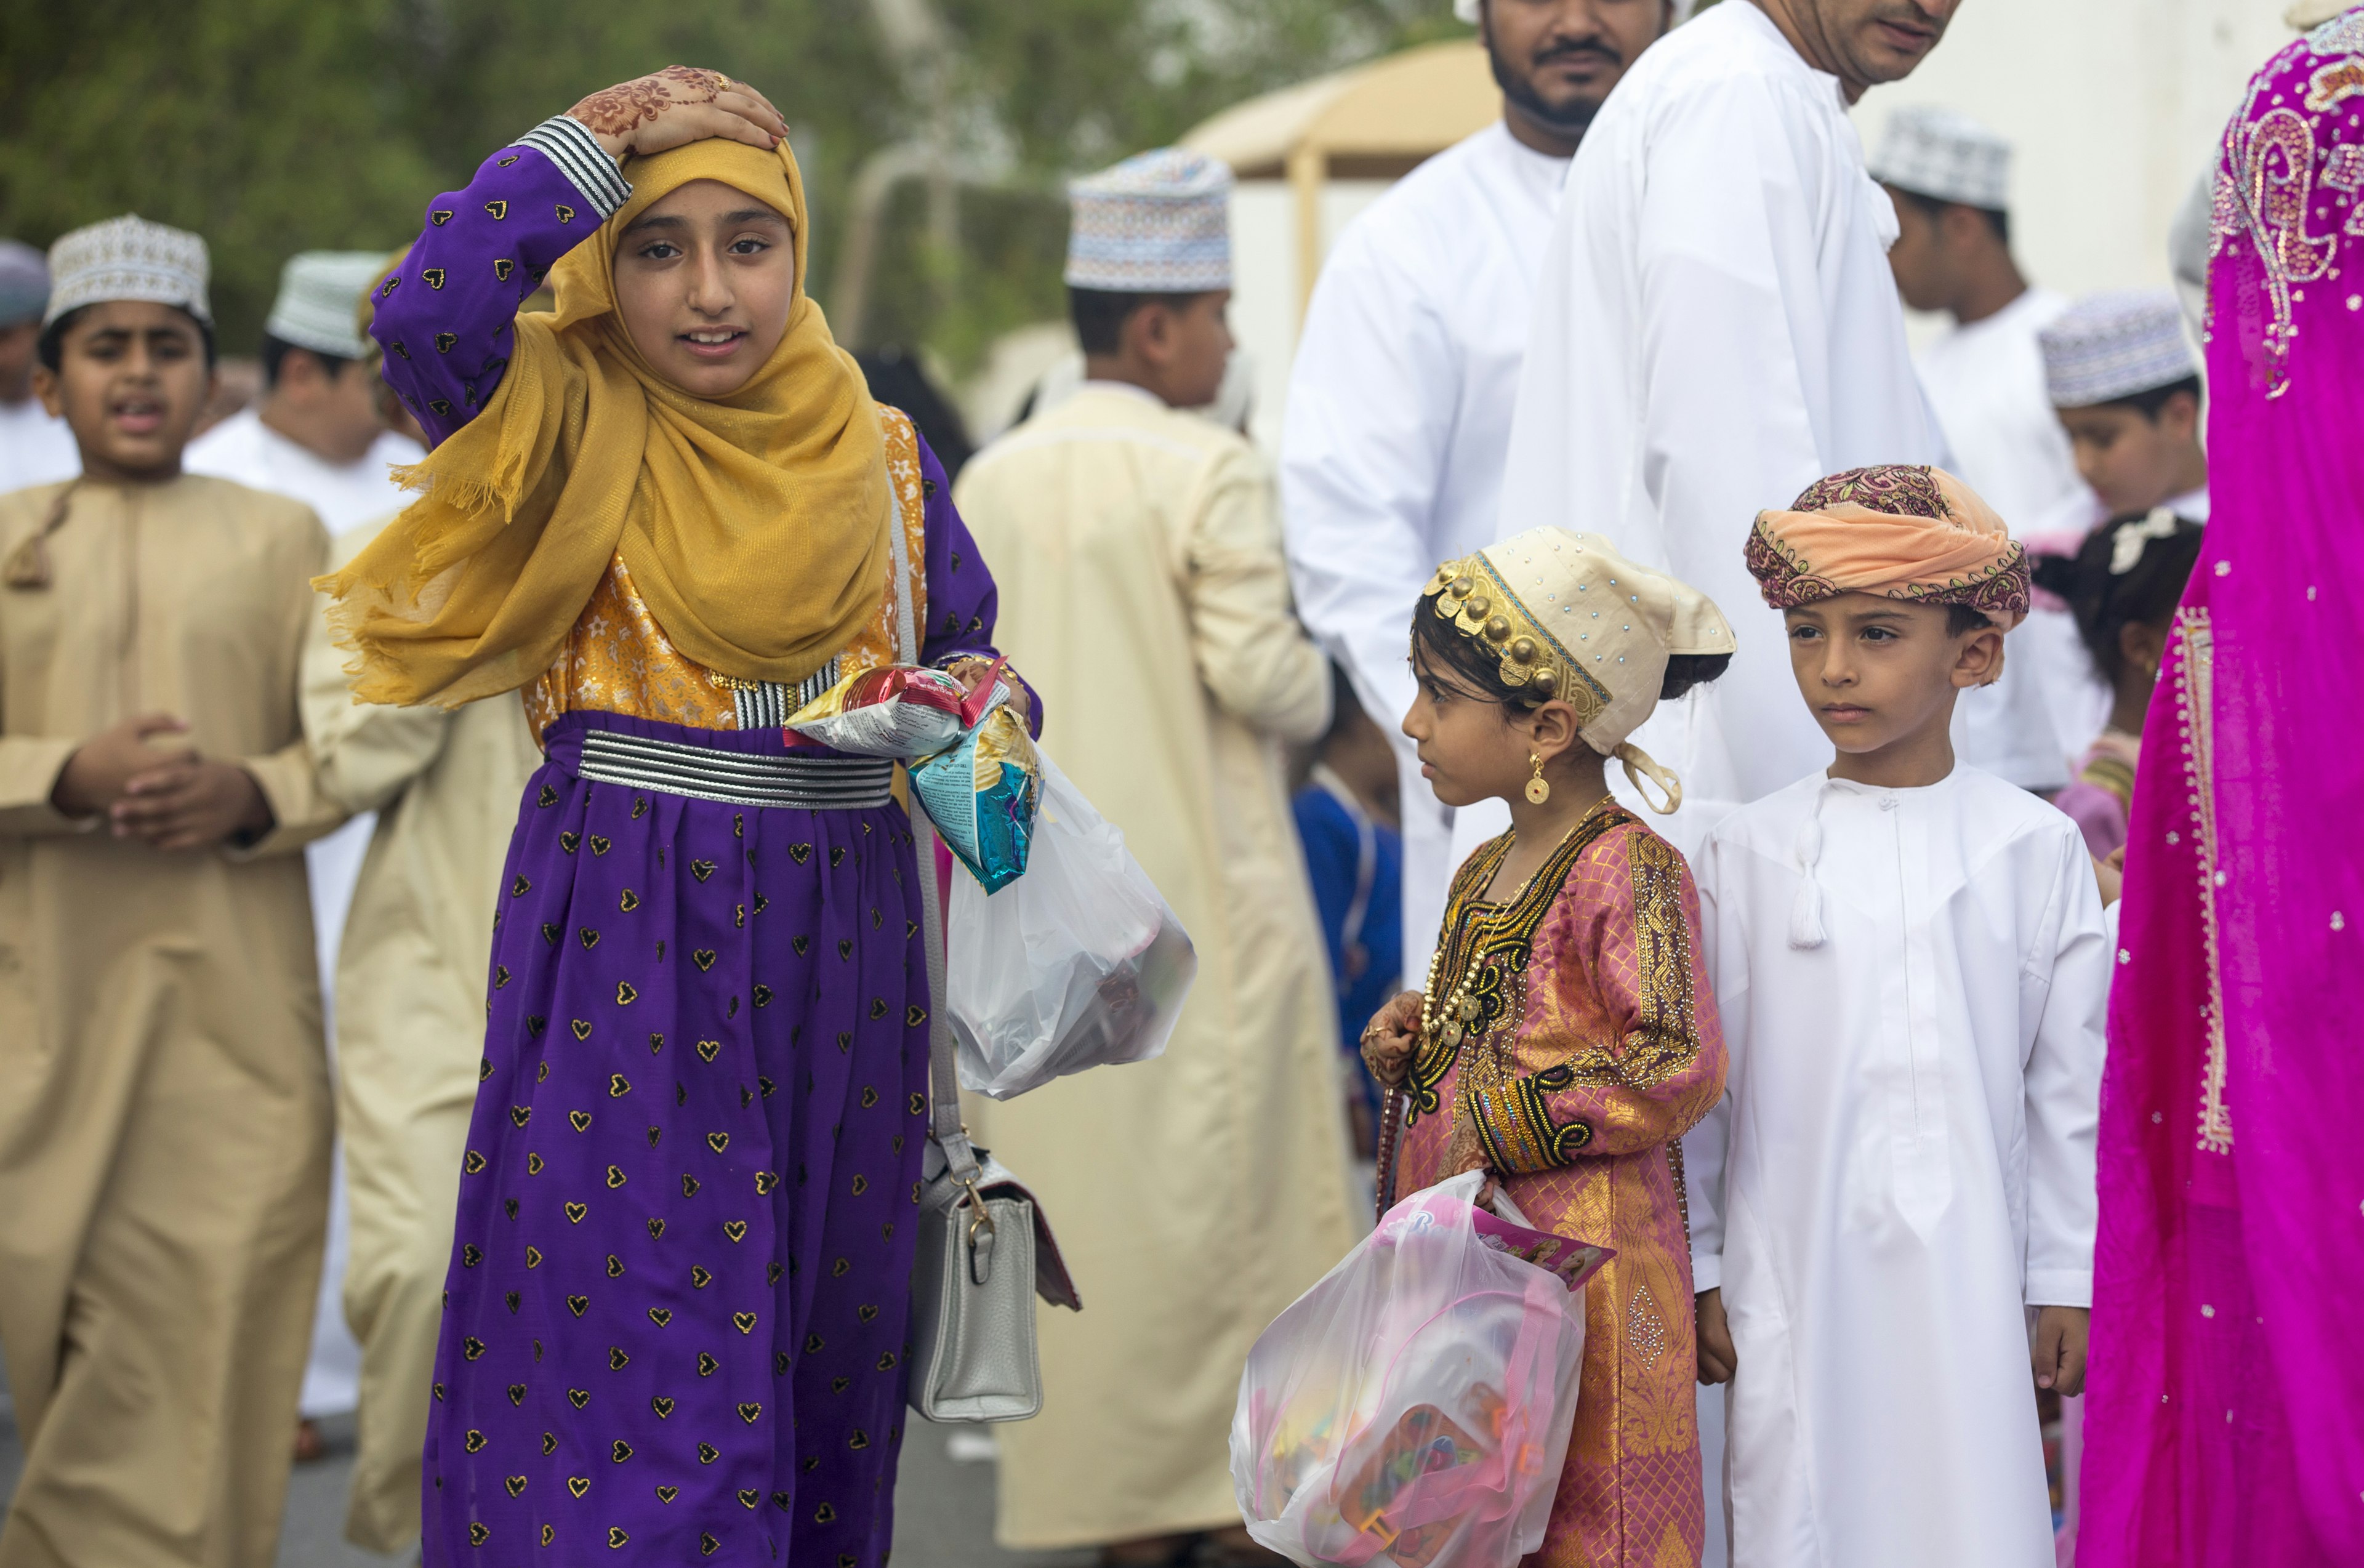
[(1591, 1046)]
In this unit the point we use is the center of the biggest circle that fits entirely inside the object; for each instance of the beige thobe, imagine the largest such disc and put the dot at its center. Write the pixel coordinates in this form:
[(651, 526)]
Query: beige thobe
[(410, 1030), (163, 1099), (1143, 594)]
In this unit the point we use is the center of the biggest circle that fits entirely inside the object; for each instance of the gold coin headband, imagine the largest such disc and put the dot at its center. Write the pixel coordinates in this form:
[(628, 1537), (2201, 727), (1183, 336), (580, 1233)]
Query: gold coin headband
[(1472, 595)]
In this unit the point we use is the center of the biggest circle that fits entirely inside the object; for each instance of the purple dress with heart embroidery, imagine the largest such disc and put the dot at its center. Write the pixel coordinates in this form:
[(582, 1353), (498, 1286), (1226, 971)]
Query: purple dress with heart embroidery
[(675, 1316)]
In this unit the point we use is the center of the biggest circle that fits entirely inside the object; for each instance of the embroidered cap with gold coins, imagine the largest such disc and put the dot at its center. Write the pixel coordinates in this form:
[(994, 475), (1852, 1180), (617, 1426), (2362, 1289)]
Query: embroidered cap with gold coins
[(1572, 619)]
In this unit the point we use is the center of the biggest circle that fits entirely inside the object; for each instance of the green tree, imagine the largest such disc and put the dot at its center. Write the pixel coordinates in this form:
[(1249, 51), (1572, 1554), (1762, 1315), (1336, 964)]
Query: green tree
[(275, 125)]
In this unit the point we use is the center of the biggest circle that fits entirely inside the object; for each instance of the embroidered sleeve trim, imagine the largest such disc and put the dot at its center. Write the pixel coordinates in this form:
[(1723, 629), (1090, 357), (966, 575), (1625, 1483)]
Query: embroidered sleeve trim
[(1665, 1038), (569, 144)]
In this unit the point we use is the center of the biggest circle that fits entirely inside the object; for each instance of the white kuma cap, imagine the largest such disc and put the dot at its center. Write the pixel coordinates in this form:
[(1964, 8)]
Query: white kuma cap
[(1946, 155), (127, 258), (319, 299), (2115, 345)]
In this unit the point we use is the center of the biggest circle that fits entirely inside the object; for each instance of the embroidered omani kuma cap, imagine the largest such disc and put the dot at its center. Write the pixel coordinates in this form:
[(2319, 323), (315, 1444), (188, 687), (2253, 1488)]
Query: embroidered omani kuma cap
[(127, 258), (1571, 618), (1944, 154), (320, 292), (23, 283), (1157, 223), (2116, 344)]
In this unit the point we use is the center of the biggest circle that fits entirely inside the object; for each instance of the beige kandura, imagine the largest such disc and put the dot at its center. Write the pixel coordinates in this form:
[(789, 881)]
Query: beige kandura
[(163, 1089), (410, 1029), (1143, 593)]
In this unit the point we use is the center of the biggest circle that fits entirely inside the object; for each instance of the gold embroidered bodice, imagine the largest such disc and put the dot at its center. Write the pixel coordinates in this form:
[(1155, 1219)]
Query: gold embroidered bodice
[(618, 659)]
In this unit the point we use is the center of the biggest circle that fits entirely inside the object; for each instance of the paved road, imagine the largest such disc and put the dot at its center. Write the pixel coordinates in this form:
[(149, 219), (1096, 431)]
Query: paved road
[(945, 1517)]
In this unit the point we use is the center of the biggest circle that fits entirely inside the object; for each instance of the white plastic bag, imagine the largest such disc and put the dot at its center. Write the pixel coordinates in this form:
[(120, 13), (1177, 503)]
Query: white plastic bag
[(1077, 963), (1413, 1408)]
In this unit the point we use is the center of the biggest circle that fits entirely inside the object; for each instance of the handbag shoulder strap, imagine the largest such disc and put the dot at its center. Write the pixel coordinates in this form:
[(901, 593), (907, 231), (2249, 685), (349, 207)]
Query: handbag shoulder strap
[(943, 1084)]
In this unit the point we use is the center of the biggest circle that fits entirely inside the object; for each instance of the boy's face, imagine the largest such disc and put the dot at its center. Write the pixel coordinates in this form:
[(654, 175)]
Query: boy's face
[(132, 382), (2131, 460), (1186, 349), (704, 283), (1875, 670)]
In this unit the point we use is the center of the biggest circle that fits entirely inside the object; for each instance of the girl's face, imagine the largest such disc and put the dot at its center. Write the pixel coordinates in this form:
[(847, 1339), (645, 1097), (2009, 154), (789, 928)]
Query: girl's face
[(1472, 748), (704, 282)]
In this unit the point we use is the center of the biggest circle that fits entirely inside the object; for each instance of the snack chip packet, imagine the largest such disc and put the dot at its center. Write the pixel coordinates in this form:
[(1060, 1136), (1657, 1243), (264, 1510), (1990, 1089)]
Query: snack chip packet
[(896, 711), (982, 793)]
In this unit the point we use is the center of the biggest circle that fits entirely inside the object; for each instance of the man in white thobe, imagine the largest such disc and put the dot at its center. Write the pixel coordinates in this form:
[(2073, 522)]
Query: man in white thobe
[(317, 436), (36, 448), (1950, 177), (1400, 399), (1716, 327)]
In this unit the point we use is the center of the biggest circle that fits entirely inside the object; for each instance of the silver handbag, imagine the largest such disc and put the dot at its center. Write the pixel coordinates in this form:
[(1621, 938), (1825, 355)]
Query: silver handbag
[(985, 1250)]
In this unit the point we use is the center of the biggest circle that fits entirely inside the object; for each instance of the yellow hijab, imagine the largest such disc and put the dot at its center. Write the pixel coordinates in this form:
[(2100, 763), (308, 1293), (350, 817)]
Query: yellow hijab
[(754, 525)]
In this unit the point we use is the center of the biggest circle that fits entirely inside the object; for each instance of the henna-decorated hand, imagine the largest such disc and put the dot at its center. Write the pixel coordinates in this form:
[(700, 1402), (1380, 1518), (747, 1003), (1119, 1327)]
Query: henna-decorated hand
[(1389, 1038), (677, 105)]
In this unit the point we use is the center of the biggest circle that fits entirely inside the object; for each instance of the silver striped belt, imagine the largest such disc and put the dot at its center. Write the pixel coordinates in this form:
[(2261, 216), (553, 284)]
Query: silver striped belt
[(736, 778)]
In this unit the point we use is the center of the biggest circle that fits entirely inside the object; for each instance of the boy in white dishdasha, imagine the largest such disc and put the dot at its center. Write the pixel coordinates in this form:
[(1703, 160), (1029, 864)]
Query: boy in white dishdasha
[(1911, 965)]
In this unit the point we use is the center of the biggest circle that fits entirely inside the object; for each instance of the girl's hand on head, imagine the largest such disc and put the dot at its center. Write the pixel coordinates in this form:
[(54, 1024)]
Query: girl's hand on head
[(675, 106)]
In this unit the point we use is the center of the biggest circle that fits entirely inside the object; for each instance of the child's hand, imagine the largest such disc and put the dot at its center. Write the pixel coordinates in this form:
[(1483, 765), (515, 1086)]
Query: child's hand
[(190, 802), (2058, 1351), (1389, 1038), (2111, 874), (1717, 1360), (675, 106), (95, 776)]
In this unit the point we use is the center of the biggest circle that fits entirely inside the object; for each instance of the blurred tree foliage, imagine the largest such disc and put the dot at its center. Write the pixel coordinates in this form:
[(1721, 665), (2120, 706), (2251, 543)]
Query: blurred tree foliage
[(275, 125)]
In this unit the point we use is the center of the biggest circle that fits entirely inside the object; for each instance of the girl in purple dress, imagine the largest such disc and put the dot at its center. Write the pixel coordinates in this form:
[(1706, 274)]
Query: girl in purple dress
[(670, 514)]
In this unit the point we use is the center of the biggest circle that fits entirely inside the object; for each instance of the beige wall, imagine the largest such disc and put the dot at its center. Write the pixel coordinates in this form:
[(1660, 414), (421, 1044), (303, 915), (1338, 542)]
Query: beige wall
[(2114, 107)]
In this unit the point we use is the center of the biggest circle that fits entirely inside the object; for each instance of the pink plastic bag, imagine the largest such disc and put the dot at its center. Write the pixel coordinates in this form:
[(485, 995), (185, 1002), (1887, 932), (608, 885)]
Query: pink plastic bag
[(1413, 1408)]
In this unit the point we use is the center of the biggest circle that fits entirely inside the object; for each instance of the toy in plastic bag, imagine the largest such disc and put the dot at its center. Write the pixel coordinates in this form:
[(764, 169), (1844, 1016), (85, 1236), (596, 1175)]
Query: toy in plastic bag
[(894, 710), (1414, 1407), (982, 793), (1077, 963)]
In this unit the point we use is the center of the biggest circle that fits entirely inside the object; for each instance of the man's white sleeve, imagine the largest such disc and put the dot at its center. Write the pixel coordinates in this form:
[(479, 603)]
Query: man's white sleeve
[(1707, 1148), (2063, 1079), (1371, 402)]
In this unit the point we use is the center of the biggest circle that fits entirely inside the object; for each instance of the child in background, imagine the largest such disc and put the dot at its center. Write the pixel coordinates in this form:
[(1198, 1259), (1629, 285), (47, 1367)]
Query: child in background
[(2123, 587), (1564, 1042), (164, 1098), (1912, 964), (2126, 387), (1354, 854)]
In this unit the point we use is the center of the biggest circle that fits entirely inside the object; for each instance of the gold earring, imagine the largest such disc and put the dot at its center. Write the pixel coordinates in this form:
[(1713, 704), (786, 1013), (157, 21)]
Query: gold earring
[(1537, 790)]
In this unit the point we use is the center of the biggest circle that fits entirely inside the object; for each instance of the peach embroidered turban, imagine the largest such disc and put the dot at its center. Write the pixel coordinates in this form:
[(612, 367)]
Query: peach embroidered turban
[(1902, 532)]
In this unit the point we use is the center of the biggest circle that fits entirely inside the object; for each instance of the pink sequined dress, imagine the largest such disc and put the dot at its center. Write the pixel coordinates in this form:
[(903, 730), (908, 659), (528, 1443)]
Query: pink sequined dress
[(1592, 1045)]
